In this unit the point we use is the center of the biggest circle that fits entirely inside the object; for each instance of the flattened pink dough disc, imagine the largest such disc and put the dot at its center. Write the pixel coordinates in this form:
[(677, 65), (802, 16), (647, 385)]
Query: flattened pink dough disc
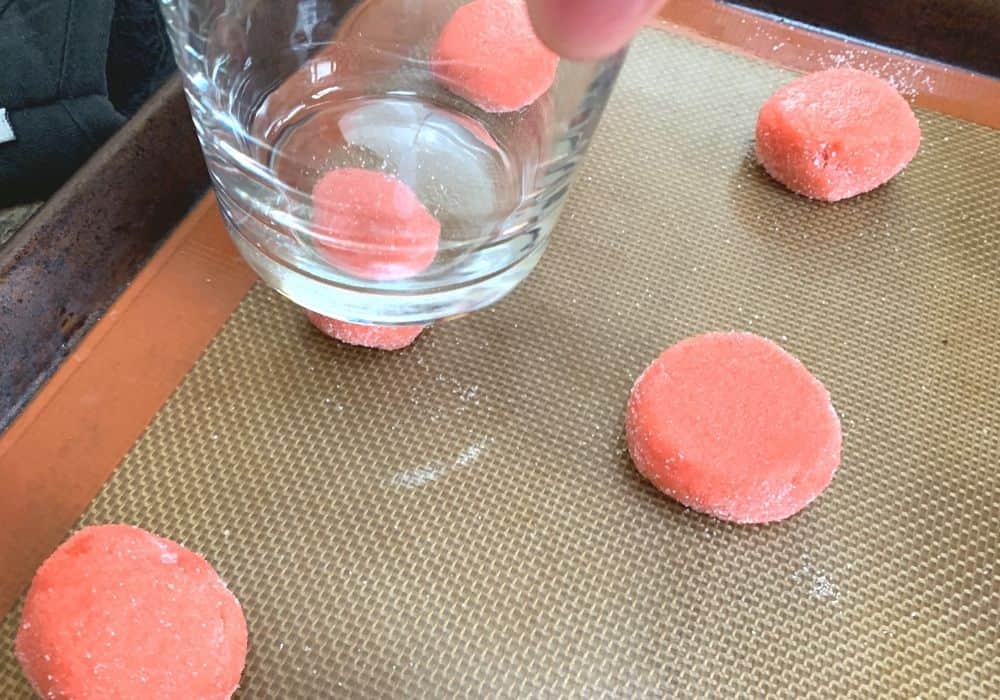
[(836, 134), (377, 337), (118, 613), (732, 425), (488, 53), (372, 225)]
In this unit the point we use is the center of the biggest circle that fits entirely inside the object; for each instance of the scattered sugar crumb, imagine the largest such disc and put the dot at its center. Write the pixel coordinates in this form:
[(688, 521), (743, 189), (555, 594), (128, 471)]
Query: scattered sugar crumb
[(469, 455), (429, 473), (821, 585), (415, 478)]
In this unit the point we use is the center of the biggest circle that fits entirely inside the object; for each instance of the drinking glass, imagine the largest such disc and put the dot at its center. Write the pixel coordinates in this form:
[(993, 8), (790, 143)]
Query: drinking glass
[(285, 92)]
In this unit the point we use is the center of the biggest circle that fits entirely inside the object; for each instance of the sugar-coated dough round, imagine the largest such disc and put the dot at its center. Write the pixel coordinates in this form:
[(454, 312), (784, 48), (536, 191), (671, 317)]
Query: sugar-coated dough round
[(377, 337), (836, 134), (372, 225), (488, 54), (117, 613), (732, 425)]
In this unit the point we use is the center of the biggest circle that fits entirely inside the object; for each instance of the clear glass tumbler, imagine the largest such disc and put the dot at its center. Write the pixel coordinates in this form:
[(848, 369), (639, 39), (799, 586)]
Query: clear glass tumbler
[(386, 161)]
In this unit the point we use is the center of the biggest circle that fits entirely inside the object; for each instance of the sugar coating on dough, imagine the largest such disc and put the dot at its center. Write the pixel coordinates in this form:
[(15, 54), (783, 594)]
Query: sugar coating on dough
[(732, 425), (376, 337), (836, 134), (116, 612), (488, 54), (372, 225)]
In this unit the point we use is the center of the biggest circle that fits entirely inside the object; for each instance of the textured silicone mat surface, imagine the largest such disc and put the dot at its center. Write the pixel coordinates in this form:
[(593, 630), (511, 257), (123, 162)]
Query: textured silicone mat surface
[(461, 518)]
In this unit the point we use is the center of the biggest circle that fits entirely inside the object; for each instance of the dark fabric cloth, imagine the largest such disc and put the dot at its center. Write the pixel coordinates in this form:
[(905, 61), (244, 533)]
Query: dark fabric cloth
[(54, 72), (139, 54), (53, 140)]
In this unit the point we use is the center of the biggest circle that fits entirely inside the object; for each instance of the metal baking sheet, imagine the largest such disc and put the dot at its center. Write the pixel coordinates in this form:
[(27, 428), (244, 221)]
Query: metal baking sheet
[(461, 518)]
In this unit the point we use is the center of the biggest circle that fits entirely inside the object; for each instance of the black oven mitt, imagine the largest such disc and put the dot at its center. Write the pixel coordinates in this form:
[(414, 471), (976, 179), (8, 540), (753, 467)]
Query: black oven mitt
[(53, 92)]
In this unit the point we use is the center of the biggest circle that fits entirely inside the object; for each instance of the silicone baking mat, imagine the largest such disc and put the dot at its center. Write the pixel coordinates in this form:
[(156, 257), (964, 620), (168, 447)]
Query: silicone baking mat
[(461, 518)]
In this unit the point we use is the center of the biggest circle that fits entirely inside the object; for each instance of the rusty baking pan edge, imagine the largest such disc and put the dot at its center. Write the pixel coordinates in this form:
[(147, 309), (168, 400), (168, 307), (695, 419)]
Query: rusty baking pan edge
[(65, 266)]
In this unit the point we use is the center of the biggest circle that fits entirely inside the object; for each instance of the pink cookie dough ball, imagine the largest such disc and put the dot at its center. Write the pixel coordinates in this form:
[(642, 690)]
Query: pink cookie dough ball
[(836, 134), (488, 54), (375, 337), (732, 425), (372, 225), (118, 613)]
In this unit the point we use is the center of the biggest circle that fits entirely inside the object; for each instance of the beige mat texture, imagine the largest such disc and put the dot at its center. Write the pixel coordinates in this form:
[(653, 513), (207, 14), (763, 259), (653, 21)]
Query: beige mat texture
[(462, 520)]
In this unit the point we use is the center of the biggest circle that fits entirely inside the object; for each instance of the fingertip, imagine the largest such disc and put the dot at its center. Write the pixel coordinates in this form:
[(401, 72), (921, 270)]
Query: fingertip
[(588, 29)]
